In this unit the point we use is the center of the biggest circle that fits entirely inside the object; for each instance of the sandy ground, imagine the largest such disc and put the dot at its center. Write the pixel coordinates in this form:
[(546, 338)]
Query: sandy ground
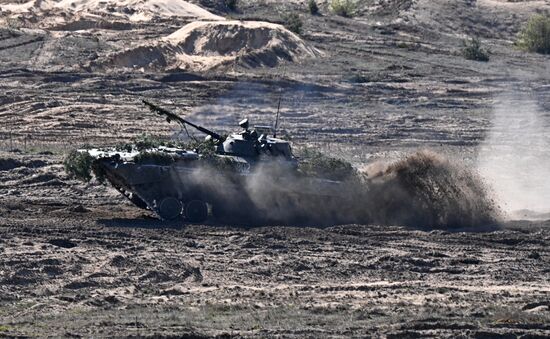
[(77, 260)]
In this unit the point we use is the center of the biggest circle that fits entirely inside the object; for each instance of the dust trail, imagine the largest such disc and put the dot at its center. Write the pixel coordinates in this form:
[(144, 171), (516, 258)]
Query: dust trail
[(515, 157)]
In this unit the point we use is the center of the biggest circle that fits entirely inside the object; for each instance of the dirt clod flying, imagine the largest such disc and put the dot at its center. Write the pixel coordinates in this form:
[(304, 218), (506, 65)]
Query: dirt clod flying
[(427, 190)]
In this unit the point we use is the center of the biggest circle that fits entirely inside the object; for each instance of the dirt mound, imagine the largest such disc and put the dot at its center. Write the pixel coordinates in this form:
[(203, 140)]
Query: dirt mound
[(426, 190), (252, 43), (139, 10), (207, 45), (132, 10)]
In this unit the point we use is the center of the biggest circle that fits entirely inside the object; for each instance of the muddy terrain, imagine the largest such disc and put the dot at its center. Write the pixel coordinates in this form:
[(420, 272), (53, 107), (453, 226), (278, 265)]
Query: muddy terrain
[(78, 260)]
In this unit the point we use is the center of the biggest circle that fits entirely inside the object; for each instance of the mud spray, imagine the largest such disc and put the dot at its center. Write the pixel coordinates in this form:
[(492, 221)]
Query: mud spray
[(423, 190), (514, 159)]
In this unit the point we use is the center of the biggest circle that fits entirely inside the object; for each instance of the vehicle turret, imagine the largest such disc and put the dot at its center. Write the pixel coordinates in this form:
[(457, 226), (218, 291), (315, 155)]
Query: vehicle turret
[(249, 143)]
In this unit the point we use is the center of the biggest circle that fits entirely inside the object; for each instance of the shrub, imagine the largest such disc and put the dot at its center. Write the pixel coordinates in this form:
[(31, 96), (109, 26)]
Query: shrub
[(231, 4), (472, 50), (313, 8), (79, 165), (535, 35), (314, 163), (293, 22), (345, 8)]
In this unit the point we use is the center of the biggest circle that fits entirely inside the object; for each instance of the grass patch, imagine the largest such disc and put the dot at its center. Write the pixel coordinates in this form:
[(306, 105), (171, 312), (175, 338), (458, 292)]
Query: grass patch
[(472, 50), (345, 8), (535, 35), (4, 328)]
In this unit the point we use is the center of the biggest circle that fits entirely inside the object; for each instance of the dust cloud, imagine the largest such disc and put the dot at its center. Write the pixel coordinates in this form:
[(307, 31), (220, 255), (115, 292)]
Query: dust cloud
[(426, 190), (423, 190), (514, 158)]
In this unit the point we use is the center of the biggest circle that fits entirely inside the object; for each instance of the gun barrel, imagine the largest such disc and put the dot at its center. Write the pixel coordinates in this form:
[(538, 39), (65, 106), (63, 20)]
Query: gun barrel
[(172, 116)]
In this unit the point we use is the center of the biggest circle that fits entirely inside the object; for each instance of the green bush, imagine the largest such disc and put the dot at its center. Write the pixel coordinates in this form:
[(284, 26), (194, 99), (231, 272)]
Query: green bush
[(535, 35), (313, 8), (79, 165), (472, 50), (293, 22), (314, 163), (345, 8)]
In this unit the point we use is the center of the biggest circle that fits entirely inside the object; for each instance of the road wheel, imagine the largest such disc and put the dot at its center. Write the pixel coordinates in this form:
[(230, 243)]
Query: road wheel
[(170, 208), (196, 211)]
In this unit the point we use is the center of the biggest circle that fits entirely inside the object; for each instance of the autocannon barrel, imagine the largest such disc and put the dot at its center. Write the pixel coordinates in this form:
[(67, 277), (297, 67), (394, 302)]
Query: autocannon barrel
[(172, 116)]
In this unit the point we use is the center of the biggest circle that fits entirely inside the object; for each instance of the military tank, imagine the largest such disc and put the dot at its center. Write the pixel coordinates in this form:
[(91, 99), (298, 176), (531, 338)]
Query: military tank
[(245, 176)]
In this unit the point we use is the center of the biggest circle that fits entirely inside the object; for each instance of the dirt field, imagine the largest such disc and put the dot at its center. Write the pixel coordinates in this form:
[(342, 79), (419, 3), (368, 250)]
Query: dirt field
[(110, 272), (77, 260)]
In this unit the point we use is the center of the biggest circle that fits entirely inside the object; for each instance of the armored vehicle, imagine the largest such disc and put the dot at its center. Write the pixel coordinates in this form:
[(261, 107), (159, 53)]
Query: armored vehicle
[(245, 176)]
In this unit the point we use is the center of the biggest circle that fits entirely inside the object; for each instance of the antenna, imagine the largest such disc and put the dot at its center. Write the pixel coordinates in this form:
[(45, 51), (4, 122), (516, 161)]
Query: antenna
[(277, 116), (278, 108)]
